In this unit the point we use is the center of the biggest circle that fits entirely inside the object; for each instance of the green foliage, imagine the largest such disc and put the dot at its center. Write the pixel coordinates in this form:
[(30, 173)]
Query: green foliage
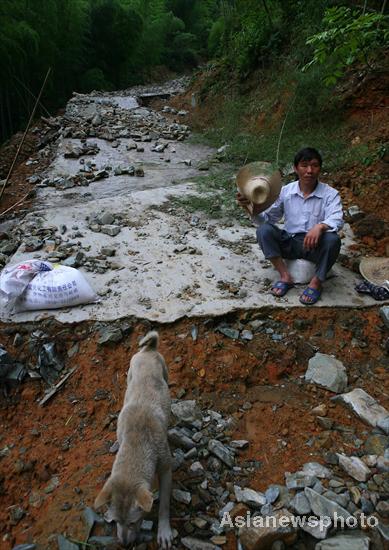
[(216, 196), (349, 36)]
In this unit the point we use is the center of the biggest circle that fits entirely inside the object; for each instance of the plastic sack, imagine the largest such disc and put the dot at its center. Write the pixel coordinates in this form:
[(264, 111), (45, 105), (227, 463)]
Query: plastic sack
[(63, 286), (14, 279)]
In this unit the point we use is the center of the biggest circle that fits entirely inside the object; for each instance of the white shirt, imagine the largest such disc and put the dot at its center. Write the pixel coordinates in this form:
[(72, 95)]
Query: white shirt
[(323, 205)]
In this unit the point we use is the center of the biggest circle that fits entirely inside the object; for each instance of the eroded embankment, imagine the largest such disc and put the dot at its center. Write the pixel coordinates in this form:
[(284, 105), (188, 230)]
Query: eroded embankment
[(55, 457)]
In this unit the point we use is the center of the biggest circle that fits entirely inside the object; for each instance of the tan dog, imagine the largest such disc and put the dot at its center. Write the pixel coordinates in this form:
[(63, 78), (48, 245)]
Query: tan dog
[(143, 448)]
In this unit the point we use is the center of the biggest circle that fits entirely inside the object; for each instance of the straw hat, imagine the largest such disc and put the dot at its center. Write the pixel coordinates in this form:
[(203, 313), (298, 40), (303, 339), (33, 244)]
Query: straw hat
[(259, 183), (375, 270)]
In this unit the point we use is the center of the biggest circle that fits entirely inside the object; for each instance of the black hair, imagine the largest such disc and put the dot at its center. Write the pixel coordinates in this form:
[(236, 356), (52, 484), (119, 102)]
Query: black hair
[(308, 153)]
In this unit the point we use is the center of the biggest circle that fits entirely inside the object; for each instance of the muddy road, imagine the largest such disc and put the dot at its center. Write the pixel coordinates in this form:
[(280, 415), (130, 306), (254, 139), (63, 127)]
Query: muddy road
[(110, 183)]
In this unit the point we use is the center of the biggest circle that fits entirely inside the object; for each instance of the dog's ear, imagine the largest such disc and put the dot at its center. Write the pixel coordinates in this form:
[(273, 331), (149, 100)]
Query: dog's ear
[(144, 499), (105, 494)]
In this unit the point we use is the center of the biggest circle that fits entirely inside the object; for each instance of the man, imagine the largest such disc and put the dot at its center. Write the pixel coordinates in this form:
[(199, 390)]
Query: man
[(313, 215)]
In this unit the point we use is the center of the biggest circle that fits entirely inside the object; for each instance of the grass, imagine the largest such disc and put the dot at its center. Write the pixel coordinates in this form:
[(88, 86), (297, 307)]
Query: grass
[(215, 195), (293, 102)]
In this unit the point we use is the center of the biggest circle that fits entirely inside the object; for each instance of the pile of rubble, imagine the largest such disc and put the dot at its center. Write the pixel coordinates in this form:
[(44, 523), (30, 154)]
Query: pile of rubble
[(338, 506)]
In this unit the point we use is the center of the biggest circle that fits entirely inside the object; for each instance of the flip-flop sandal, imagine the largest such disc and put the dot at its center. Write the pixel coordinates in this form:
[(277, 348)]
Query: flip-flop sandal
[(283, 286), (379, 293), (313, 294)]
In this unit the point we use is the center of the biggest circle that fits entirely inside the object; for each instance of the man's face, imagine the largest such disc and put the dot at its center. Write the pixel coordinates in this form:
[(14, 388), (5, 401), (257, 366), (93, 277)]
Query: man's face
[(308, 171)]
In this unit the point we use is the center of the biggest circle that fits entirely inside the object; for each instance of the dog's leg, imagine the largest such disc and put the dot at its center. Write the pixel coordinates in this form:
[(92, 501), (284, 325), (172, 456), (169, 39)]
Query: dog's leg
[(165, 486)]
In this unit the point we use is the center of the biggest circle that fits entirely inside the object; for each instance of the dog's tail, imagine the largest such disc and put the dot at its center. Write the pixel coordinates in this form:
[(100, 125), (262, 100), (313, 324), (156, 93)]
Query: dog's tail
[(150, 341)]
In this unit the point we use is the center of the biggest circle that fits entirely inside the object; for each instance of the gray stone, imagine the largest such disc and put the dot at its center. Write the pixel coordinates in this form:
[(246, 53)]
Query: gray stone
[(229, 332), (239, 443), (364, 406), (111, 230), (327, 372), (318, 530), (65, 544), (246, 335), (299, 480), (26, 546), (179, 439), (107, 251), (355, 467), (317, 470), (384, 312), (252, 498), (383, 424), (186, 411), (300, 504), (182, 496), (345, 542), (272, 493), (258, 536), (383, 508), (376, 444), (342, 498), (197, 544), (102, 541), (110, 335), (220, 451), (322, 506)]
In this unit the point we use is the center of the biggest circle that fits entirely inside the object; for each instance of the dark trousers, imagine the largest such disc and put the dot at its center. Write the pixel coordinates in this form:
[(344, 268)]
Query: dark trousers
[(276, 242)]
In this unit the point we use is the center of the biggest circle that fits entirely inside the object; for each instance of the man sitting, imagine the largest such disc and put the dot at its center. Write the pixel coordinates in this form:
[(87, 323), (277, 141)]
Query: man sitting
[(313, 215)]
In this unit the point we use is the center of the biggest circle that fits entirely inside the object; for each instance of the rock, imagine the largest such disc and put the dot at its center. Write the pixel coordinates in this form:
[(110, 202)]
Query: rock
[(111, 230), (383, 508), (26, 546), (239, 443), (370, 226), (300, 504), (317, 470), (376, 444), (272, 493), (317, 529), (179, 439), (186, 411), (106, 219), (345, 542), (383, 424), (182, 496), (320, 410), (65, 544), (252, 498), (299, 480), (355, 213), (384, 313), (342, 499), (246, 335), (110, 335), (107, 251), (355, 467), (229, 332), (102, 541), (364, 406), (327, 372), (322, 506), (197, 544), (220, 451), (263, 532)]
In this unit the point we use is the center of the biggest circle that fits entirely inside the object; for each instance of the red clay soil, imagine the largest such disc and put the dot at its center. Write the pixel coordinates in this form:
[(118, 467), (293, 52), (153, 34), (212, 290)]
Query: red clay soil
[(258, 383)]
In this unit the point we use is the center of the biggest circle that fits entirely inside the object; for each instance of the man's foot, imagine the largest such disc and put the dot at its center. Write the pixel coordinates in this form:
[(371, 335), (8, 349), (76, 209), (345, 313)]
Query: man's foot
[(280, 288), (310, 296)]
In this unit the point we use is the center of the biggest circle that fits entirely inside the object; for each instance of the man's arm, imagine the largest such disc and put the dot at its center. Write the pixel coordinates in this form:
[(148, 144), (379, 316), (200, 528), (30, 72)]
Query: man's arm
[(272, 215), (333, 213), (333, 221)]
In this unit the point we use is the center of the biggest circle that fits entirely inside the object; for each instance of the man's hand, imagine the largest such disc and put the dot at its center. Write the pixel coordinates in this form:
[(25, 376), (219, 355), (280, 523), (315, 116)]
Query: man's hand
[(244, 203), (312, 238)]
